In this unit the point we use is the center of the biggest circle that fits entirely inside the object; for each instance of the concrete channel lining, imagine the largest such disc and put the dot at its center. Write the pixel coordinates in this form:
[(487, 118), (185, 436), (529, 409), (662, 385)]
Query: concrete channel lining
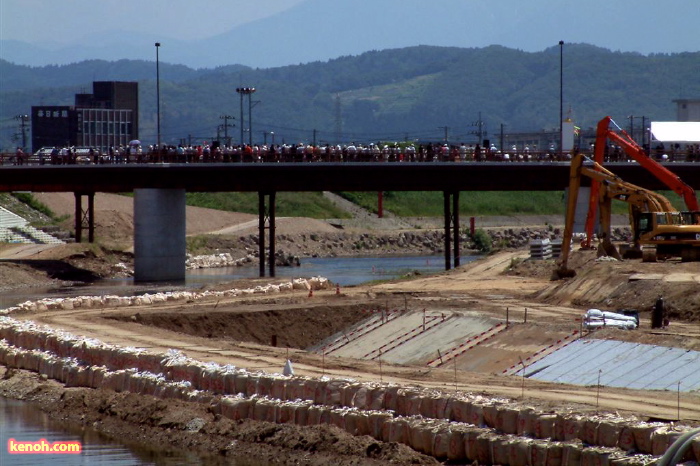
[(402, 339), (619, 364)]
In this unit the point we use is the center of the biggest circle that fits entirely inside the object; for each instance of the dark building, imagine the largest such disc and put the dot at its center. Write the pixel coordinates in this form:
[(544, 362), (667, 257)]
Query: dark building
[(107, 117)]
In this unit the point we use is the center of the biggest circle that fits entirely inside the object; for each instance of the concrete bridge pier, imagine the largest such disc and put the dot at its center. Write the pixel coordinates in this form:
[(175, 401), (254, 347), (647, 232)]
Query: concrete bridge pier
[(159, 235), (451, 200), (266, 221)]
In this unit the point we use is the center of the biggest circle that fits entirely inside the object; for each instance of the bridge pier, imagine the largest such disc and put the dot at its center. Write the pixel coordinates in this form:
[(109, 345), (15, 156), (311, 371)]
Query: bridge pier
[(266, 221), (159, 235), (84, 218), (451, 200)]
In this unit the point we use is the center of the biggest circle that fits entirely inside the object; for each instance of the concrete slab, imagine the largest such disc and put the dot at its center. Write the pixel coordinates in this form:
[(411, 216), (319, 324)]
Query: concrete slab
[(444, 330), (646, 276), (681, 278)]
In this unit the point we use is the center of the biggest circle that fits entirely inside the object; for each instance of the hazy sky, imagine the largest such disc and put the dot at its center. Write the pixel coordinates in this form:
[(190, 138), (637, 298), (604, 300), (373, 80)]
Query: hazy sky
[(267, 33), (60, 21)]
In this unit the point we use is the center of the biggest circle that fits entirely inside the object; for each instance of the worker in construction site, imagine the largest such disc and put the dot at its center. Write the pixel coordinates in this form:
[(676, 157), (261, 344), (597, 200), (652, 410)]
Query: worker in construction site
[(659, 317)]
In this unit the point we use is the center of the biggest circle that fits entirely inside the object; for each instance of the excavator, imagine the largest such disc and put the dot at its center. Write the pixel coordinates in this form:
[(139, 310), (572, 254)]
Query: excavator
[(659, 230), (619, 136)]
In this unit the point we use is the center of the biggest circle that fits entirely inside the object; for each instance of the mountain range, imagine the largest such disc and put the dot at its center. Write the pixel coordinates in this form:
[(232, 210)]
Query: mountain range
[(316, 30), (417, 93)]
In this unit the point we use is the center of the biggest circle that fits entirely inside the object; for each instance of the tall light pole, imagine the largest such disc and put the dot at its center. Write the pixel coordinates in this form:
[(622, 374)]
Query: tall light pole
[(158, 90), (561, 97), (249, 92)]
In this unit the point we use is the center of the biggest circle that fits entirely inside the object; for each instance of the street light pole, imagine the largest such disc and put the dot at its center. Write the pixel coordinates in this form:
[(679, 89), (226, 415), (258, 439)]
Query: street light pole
[(158, 90), (249, 92), (561, 97)]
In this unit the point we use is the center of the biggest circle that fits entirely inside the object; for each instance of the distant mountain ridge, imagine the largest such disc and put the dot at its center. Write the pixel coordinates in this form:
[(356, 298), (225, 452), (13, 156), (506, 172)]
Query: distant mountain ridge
[(316, 30), (405, 93)]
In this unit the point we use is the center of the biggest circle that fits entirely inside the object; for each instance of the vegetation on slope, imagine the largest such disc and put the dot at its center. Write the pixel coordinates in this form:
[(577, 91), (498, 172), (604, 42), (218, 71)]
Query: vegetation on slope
[(308, 204), (479, 203)]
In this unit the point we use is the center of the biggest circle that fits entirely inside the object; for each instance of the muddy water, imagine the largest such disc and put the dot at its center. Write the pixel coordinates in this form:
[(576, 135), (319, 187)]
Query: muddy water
[(346, 271), (23, 422)]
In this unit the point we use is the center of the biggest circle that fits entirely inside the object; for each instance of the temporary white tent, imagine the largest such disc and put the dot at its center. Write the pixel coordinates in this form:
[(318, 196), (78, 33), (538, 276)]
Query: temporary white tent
[(676, 131)]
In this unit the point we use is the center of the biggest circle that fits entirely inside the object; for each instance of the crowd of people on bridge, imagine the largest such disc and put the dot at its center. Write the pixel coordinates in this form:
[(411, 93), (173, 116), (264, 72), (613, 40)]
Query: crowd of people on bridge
[(301, 152)]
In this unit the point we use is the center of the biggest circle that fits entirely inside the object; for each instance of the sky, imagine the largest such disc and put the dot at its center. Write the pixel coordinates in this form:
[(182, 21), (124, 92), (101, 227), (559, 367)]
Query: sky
[(268, 33), (65, 21)]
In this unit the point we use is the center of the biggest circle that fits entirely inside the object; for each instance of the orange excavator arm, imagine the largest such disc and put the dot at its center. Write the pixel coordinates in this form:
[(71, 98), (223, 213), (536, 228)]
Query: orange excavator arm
[(632, 149)]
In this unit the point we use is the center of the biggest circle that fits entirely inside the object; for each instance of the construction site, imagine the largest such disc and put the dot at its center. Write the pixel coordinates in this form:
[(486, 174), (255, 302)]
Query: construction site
[(493, 362)]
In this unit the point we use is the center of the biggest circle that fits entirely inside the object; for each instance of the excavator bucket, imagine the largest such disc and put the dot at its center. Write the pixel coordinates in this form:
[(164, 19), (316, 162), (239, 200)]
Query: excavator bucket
[(563, 272)]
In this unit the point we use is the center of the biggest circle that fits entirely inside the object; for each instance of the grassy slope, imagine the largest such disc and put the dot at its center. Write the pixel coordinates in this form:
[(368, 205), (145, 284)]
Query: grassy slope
[(308, 204), (481, 203)]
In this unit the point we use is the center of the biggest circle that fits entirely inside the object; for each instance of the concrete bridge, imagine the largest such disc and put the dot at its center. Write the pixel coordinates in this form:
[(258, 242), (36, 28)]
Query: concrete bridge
[(159, 194)]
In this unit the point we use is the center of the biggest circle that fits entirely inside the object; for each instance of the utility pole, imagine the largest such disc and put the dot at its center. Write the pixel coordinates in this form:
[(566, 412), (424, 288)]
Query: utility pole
[(479, 130), (23, 119), (446, 129), (226, 118), (500, 143), (158, 91)]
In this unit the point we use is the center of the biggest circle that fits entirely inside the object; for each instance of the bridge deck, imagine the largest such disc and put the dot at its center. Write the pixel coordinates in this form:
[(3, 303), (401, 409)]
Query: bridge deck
[(271, 177)]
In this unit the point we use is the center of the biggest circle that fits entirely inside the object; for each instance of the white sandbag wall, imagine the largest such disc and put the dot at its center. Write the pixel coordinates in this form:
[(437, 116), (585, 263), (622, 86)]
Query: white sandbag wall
[(100, 302), (448, 426)]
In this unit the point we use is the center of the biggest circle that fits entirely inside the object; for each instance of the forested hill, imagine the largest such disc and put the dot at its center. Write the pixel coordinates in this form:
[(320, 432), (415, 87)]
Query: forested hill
[(416, 93)]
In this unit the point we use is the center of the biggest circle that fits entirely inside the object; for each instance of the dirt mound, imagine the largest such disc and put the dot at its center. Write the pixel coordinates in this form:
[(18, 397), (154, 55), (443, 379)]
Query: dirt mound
[(292, 328), (614, 285)]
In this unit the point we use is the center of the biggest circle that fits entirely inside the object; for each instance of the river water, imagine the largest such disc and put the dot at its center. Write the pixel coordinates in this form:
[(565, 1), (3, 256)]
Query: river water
[(24, 422)]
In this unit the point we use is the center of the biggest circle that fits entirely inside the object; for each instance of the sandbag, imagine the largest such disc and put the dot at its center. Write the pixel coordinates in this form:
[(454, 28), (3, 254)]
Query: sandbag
[(279, 388), (301, 414), (491, 414), (642, 437), (333, 393), (500, 448), (526, 422), (507, 419), (264, 386), (589, 435), (520, 452), (391, 397), (571, 455), (337, 418), (455, 447), (251, 386), (441, 441), (377, 419), (476, 414), (555, 453), (609, 434), (538, 453), (663, 438), (348, 392), (483, 449), (395, 430), (545, 426), (573, 428), (360, 398)]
